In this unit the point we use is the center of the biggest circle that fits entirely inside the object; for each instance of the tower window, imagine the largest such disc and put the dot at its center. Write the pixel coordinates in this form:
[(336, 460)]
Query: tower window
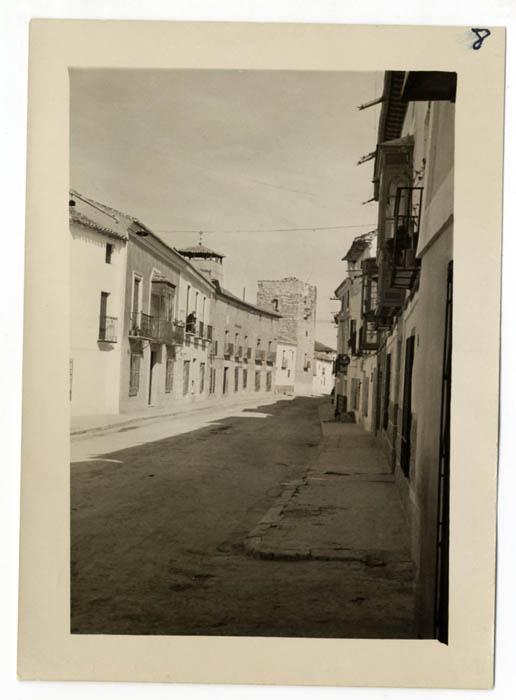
[(109, 252)]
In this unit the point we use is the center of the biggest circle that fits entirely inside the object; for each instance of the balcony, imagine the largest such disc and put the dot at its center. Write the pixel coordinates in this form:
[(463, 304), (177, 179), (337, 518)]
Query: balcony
[(271, 357), (156, 329), (407, 218), (248, 353), (239, 352), (140, 325), (368, 337), (229, 349), (369, 288), (389, 299), (107, 329), (191, 327), (259, 356)]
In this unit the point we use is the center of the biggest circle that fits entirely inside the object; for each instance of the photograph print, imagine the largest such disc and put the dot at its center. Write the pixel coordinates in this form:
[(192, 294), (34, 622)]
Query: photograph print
[(261, 300)]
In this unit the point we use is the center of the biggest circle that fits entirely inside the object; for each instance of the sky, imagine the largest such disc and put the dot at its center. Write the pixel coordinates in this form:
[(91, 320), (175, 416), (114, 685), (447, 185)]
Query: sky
[(229, 153)]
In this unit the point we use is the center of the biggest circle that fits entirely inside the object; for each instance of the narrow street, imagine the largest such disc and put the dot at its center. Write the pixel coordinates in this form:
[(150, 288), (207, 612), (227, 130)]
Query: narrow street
[(158, 532)]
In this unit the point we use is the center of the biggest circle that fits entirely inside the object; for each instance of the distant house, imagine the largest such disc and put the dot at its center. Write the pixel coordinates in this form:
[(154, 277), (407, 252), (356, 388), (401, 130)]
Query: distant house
[(324, 358), (286, 366)]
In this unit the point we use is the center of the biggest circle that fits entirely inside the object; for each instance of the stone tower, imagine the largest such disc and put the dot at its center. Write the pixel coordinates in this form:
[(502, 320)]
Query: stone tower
[(296, 302)]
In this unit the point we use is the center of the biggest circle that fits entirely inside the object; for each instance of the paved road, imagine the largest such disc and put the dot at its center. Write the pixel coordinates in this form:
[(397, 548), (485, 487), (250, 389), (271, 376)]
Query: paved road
[(158, 531)]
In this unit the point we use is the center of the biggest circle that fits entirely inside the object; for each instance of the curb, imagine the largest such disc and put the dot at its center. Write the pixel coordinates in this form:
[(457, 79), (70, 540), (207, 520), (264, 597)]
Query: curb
[(253, 542), (160, 416)]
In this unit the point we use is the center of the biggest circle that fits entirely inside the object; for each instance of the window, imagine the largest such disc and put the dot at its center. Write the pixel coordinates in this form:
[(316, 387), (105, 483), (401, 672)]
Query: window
[(186, 376), (134, 374), (213, 380), (103, 315), (169, 371), (257, 381), (236, 378), (244, 382), (269, 345), (269, 381), (275, 304), (109, 252), (137, 281), (202, 372)]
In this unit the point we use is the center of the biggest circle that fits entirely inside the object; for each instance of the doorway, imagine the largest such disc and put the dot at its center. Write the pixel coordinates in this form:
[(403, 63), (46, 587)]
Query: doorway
[(406, 419), (153, 360)]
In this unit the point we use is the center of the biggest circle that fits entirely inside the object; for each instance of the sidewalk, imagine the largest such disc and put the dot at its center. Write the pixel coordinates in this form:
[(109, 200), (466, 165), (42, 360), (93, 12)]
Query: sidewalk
[(94, 424), (346, 508)]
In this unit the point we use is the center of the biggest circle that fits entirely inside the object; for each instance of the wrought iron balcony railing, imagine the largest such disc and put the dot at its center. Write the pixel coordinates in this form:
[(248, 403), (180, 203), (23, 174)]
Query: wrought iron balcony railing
[(369, 288), (389, 299), (157, 329), (407, 218), (140, 325), (107, 329)]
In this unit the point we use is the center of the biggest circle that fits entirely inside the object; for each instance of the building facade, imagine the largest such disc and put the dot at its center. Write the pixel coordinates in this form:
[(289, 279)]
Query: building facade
[(244, 342), (357, 337), (142, 321), (295, 301), (165, 345), (324, 362), (407, 293), (98, 254)]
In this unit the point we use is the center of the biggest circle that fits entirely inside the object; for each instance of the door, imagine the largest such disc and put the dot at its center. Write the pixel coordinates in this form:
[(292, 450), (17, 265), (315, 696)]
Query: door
[(406, 419), (225, 381), (153, 360)]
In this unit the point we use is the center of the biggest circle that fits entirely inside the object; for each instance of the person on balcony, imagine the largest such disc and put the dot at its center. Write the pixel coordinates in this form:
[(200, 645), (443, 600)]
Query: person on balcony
[(191, 321)]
